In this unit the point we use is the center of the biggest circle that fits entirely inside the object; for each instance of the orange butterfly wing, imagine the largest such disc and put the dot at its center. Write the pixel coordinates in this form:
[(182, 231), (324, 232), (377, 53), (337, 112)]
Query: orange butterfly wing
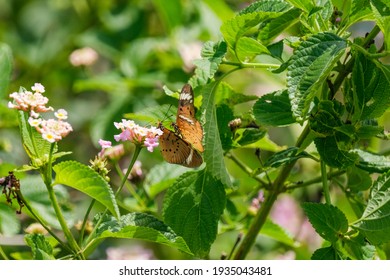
[(187, 126), (176, 150)]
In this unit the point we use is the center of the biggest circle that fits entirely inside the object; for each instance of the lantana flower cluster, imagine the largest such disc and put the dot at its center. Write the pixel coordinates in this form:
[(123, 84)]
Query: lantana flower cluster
[(34, 102), (139, 135)]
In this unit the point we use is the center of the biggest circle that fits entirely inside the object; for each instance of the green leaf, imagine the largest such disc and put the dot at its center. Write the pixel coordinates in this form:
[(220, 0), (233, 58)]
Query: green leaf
[(86, 180), (328, 221), (140, 226), (327, 253), (371, 89), (212, 55), (192, 208), (232, 30), (332, 155), (274, 109), (278, 233), (285, 157), (6, 62), (160, 177), (375, 221), (310, 66), (274, 27), (247, 48), (381, 11), (372, 162), (213, 154), (40, 247)]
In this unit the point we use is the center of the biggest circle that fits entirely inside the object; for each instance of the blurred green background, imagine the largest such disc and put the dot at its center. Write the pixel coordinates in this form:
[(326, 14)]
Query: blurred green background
[(141, 46)]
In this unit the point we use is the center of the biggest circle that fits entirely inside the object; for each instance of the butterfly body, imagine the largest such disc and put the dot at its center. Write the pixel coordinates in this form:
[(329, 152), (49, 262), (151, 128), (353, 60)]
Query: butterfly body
[(184, 144), (186, 124)]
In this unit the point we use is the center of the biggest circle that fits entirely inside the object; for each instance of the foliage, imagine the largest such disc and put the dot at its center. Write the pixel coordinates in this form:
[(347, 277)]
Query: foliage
[(293, 103)]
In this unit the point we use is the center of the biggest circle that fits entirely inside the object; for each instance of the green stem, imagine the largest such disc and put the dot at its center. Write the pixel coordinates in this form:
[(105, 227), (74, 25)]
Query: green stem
[(262, 214), (89, 242), (85, 220), (131, 190), (42, 222), (2, 254), (251, 64), (245, 168), (47, 178), (315, 180), (325, 184)]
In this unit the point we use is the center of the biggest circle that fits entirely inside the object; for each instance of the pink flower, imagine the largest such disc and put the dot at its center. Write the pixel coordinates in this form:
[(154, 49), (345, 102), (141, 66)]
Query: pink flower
[(83, 57), (139, 135)]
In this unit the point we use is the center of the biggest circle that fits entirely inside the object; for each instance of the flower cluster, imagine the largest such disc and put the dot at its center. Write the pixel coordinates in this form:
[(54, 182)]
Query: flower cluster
[(139, 135), (52, 130), (33, 102)]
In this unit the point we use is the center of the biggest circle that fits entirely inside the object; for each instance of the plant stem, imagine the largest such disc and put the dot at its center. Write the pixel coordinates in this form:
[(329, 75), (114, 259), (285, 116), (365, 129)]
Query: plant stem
[(315, 180), (262, 214), (40, 220), (251, 65), (325, 184), (47, 179), (245, 168), (2, 254)]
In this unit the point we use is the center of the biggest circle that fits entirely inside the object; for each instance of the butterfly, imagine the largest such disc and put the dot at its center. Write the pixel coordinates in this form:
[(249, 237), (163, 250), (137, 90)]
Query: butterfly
[(184, 144)]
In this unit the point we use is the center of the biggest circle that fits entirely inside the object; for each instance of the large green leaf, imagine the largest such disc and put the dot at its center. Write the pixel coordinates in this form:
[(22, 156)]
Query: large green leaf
[(375, 221), (5, 68), (328, 221), (9, 222), (371, 89), (140, 226), (310, 65), (192, 208), (213, 154), (86, 180), (274, 109), (247, 48)]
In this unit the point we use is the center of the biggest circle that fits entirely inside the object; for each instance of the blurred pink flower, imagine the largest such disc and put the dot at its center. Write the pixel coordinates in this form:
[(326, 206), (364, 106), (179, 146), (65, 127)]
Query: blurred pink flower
[(83, 57)]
